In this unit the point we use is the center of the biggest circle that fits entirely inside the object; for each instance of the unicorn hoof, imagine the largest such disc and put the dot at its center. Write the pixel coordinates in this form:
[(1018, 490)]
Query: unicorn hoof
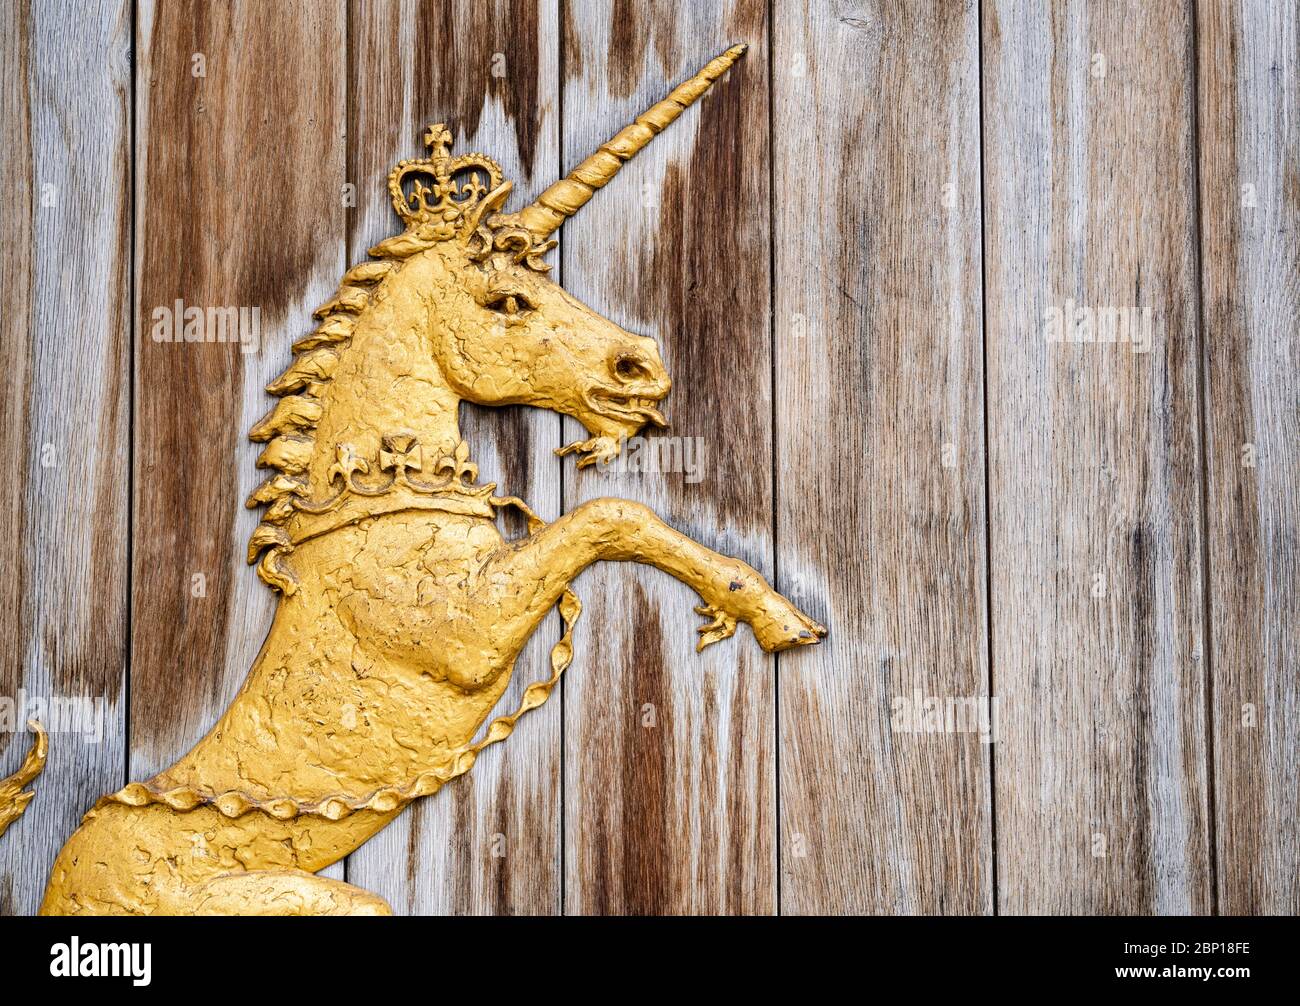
[(787, 629)]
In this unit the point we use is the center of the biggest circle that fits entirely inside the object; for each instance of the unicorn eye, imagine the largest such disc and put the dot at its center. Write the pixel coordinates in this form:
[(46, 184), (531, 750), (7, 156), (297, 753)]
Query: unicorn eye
[(509, 302)]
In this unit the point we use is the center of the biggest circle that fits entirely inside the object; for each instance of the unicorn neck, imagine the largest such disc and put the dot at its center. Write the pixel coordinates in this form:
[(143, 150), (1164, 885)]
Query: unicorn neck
[(386, 383)]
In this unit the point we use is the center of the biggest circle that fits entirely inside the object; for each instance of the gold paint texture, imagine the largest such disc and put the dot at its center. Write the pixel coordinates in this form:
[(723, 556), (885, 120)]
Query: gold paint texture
[(402, 609), (13, 799)]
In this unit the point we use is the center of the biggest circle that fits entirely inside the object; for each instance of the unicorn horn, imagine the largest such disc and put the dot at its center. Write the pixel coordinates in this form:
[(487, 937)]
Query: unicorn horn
[(567, 196)]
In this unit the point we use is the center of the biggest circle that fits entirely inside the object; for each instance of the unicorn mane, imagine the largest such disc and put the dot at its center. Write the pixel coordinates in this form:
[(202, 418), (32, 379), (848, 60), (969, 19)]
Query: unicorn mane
[(288, 429)]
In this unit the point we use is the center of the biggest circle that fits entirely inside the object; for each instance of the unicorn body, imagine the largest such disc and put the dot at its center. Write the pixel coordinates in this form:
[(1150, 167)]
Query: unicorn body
[(403, 608)]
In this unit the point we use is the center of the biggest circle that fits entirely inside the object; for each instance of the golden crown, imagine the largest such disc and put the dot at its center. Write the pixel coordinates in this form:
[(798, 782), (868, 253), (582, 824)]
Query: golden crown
[(457, 188)]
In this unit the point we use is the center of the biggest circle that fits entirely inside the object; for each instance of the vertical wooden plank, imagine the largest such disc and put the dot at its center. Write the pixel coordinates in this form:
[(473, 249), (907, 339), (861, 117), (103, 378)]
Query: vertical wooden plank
[(489, 843), (1249, 87), (239, 168), (880, 457), (64, 402), (1094, 465), (669, 755)]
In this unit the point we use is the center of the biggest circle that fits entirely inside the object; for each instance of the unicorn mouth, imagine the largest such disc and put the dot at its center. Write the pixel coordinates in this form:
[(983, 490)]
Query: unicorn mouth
[(623, 416), (628, 409)]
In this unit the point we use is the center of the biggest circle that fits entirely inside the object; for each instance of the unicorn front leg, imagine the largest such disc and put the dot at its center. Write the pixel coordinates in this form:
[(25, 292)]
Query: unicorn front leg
[(523, 580)]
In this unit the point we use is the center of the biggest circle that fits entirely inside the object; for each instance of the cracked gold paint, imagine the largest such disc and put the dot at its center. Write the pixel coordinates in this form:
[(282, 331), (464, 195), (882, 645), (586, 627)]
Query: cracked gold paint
[(402, 608)]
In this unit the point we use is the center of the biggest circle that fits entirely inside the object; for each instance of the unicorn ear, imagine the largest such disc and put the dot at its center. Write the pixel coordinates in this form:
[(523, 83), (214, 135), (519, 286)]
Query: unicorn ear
[(490, 203)]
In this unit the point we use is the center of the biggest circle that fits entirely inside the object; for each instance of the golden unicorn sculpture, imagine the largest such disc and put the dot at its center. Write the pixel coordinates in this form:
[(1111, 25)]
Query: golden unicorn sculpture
[(402, 608)]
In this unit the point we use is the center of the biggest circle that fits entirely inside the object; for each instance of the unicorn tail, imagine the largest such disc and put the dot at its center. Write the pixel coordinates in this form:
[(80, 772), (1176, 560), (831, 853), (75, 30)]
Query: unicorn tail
[(13, 801)]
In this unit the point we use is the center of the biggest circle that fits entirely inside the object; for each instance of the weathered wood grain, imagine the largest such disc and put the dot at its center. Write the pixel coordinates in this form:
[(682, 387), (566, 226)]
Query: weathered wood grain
[(669, 755), (238, 204), (1249, 88), (490, 842), (880, 455), (64, 412), (1098, 638)]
